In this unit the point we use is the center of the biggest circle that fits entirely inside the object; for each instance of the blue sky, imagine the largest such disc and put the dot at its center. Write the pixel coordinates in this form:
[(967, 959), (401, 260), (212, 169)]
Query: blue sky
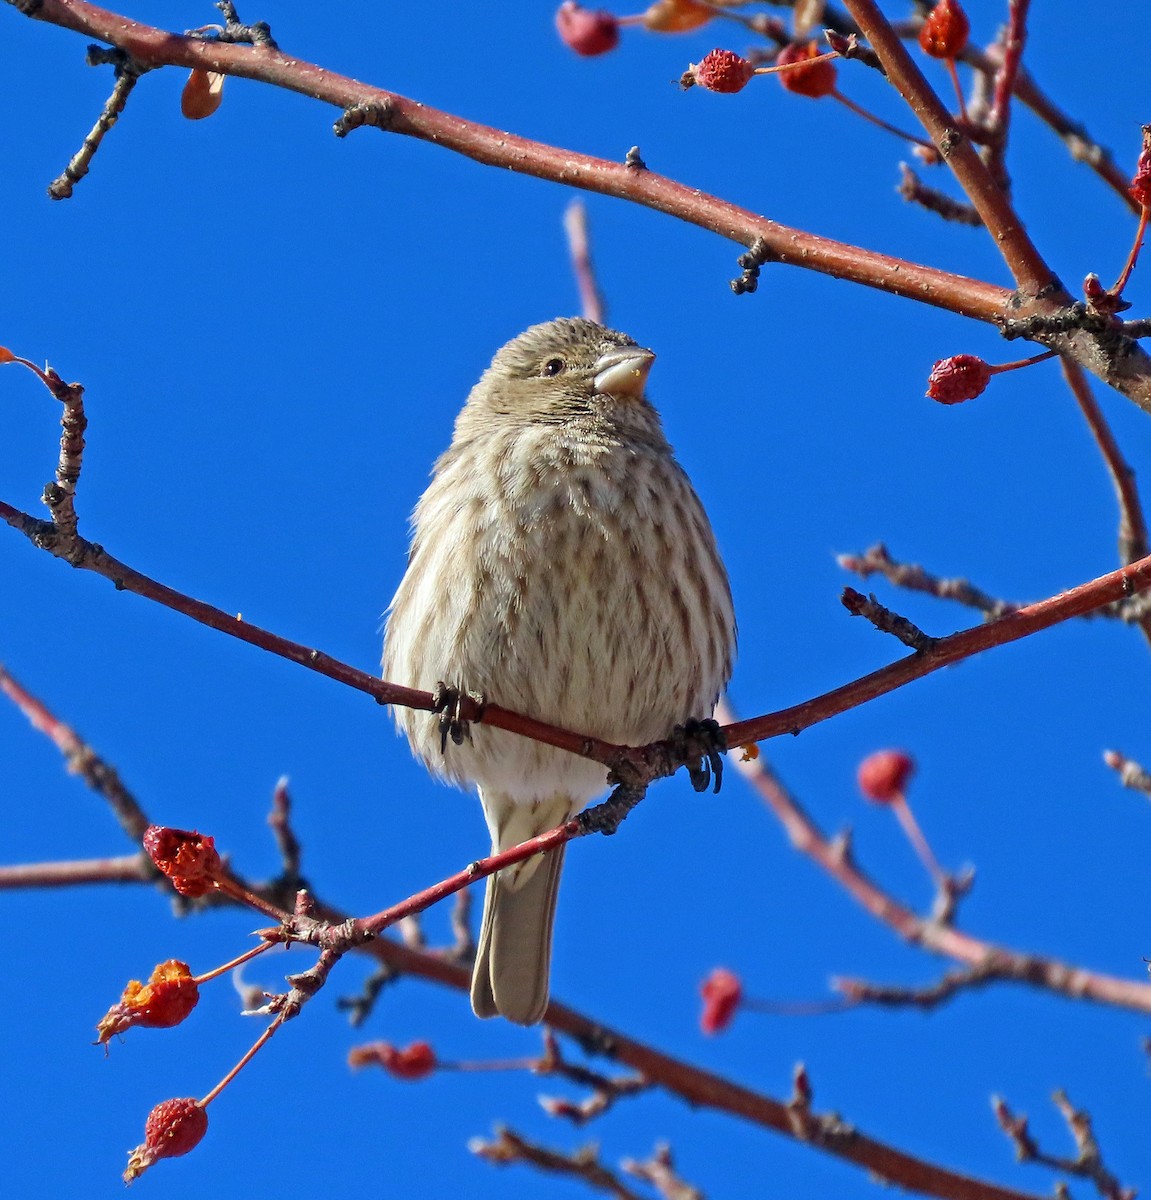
[(275, 330)]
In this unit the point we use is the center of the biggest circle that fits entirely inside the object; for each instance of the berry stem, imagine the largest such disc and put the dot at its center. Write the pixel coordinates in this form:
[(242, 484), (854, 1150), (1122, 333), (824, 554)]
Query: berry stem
[(1133, 257), (910, 825), (229, 966), (234, 891), (779, 68), (1023, 362), (860, 111), (253, 1050), (958, 89), (495, 1064)]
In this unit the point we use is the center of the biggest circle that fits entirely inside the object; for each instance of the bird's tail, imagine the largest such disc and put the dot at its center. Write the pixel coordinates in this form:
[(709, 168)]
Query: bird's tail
[(513, 957)]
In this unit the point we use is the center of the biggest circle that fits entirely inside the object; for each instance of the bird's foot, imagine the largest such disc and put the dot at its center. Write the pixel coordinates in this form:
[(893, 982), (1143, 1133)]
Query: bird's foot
[(448, 704), (700, 744)]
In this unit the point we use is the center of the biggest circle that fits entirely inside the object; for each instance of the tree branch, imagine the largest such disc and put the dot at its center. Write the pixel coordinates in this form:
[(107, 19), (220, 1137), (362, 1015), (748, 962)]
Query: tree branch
[(986, 959), (1116, 359)]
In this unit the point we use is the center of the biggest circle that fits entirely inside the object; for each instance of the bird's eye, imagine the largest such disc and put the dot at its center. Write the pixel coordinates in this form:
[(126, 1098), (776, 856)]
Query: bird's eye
[(554, 366)]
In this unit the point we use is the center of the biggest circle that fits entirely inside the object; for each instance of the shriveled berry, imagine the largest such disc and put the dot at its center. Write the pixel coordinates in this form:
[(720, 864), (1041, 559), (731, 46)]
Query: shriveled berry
[(165, 1000), (587, 31), (945, 30), (676, 16), (722, 71), (883, 776), (189, 859), (958, 378), (813, 79), (722, 992), (173, 1128)]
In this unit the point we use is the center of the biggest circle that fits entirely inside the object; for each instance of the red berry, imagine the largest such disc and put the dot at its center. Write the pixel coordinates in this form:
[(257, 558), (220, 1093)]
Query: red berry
[(883, 775), (945, 30), (585, 31), (815, 80), (173, 1128), (958, 378), (412, 1062), (722, 71), (722, 993)]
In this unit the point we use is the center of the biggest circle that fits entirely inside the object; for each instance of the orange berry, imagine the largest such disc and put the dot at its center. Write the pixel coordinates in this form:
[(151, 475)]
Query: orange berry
[(189, 859), (676, 16), (202, 94), (165, 1000)]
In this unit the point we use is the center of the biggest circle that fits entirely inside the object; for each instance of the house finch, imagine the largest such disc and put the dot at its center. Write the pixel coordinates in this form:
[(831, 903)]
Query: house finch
[(562, 565)]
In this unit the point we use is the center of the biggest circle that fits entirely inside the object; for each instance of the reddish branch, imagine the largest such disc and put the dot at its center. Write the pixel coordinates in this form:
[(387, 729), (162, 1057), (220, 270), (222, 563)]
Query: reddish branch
[(1133, 542), (652, 761), (82, 760), (1078, 601), (1116, 360), (986, 959), (1027, 266), (696, 1086), (658, 758), (579, 247)]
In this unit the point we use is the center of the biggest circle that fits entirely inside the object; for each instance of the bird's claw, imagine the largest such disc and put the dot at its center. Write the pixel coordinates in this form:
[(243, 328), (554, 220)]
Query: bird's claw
[(700, 745), (448, 704)]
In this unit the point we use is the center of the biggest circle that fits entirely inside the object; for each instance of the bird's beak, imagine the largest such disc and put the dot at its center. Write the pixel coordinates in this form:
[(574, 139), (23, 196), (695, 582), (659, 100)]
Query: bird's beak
[(622, 371)]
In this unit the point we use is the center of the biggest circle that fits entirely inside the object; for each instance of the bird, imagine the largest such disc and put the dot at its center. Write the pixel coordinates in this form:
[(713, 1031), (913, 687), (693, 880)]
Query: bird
[(562, 565)]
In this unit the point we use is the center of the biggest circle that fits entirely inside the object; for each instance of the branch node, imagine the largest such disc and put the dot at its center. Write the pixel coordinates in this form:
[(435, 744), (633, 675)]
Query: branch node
[(757, 255), (379, 114), (633, 160)]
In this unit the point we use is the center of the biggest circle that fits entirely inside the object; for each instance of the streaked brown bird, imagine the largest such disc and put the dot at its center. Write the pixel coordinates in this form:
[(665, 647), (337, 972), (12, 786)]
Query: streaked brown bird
[(562, 565)]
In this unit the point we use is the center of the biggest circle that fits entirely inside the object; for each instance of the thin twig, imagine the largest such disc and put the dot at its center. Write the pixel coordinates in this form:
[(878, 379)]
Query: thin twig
[(81, 760), (579, 248), (1088, 1160), (915, 191), (885, 620), (1131, 774), (998, 120), (510, 1147), (127, 868), (876, 560), (279, 821), (127, 75), (1133, 542), (859, 991), (659, 1171)]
